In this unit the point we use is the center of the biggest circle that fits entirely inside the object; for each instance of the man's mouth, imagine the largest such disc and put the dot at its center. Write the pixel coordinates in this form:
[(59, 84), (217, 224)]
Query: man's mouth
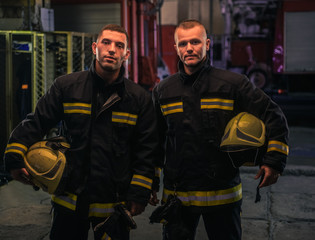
[(190, 56), (111, 59)]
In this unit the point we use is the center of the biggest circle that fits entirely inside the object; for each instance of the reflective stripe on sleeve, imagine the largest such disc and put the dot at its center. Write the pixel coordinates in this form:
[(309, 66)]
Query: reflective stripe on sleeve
[(207, 198), (105, 237), (122, 117), (16, 148), (141, 181), (84, 108), (217, 103), (278, 146), (69, 200), (172, 108), (101, 209), (158, 172)]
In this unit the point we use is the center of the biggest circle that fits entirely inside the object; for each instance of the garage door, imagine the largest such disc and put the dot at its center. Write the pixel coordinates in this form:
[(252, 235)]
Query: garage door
[(88, 18), (299, 38)]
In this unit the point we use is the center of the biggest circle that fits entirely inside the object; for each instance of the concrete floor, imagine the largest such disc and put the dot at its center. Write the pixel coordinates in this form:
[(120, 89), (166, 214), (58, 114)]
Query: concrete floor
[(286, 210)]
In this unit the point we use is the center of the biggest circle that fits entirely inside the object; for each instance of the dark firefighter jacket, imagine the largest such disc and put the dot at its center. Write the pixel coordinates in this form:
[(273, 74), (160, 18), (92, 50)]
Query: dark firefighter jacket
[(113, 155), (193, 112)]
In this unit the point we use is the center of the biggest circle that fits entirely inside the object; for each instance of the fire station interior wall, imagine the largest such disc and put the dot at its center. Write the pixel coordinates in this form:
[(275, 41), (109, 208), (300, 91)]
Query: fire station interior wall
[(174, 11), (15, 91), (22, 78), (3, 98), (88, 18), (169, 53), (299, 41)]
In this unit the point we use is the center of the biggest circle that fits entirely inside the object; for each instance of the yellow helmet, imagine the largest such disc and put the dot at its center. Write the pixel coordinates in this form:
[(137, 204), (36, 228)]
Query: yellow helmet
[(45, 161), (243, 133)]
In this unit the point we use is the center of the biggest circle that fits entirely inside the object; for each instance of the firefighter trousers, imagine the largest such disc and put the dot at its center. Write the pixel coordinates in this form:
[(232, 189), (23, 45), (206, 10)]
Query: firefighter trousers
[(68, 225), (222, 223), (73, 225)]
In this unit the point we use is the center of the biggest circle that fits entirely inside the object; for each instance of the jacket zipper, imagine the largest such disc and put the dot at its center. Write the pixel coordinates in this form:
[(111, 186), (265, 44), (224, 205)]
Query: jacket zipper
[(110, 102)]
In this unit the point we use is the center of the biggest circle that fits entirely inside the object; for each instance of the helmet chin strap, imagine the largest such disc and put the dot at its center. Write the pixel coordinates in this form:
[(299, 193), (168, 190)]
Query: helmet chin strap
[(256, 155), (258, 196)]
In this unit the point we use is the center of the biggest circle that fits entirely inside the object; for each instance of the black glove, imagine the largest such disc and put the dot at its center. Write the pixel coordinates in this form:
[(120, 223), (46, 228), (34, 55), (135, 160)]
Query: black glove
[(171, 214), (117, 225), (167, 212)]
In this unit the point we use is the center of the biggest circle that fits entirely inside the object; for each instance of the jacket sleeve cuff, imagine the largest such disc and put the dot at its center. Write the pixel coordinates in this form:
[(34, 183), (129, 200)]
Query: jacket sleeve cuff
[(276, 161), (156, 179), (140, 189), (138, 194), (156, 184), (13, 161)]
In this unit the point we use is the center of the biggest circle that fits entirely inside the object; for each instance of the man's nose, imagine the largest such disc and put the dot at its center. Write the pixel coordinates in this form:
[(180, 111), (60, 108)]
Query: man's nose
[(189, 47), (112, 48)]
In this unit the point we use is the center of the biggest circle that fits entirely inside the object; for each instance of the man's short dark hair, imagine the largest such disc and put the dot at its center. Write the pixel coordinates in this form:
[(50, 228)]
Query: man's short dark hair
[(114, 28), (189, 23)]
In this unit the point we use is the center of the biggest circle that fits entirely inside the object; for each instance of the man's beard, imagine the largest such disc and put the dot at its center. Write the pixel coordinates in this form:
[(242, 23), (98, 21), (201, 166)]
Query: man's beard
[(112, 67), (109, 68), (196, 65)]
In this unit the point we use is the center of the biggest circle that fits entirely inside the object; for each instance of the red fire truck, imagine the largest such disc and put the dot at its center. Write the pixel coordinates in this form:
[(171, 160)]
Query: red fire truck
[(272, 42)]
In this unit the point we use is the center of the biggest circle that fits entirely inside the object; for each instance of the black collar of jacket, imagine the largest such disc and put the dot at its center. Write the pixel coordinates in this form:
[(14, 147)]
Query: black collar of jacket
[(117, 86), (194, 78)]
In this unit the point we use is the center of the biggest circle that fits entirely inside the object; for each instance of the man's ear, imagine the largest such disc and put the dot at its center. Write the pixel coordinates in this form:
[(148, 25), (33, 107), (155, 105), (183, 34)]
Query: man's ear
[(94, 48), (176, 49), (208, 44), (128, 52)]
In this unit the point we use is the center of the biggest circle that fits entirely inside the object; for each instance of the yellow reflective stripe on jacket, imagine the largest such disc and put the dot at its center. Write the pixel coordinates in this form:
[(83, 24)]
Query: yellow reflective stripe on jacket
[(101, 209), (141, 181), (216, 103), (172, 108), (207, 198), (84, 108), (16, 148), (158, 172), (105, 237), (69, 200), (95, 209), (122, 117), (278, 146)]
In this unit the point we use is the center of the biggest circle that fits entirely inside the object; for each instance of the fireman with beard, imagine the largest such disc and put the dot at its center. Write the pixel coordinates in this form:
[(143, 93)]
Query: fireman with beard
[(111, 125), (193, 108)]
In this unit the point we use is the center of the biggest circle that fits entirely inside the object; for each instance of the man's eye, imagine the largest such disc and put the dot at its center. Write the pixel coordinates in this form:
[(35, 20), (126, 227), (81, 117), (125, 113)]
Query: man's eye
[(182, 44), (121, 46), (195, 42), (106, 42)]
